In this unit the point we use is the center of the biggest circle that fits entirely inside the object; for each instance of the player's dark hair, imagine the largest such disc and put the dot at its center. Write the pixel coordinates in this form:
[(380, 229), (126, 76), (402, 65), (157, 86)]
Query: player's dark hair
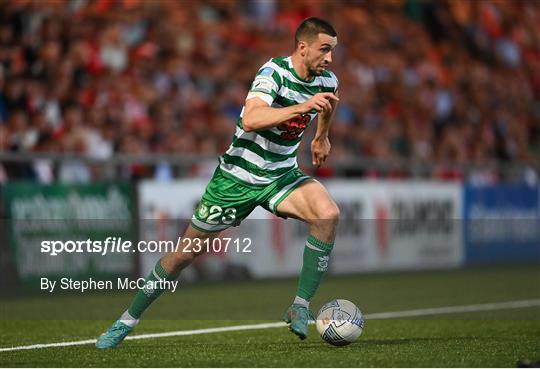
[(310, 28)]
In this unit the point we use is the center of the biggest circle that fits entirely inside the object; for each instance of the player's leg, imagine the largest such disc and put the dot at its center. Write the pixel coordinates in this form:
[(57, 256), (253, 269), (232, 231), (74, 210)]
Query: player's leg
[(312, 203), (167, 268), (225, 203), (174, 262)]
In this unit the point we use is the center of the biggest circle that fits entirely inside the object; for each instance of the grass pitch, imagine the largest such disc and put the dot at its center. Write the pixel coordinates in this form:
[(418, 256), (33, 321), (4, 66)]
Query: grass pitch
[(475, 339)]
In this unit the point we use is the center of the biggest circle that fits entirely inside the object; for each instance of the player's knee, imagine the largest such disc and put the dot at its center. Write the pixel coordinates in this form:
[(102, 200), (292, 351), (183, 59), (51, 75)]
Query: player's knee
[(329, 213), (184, 257)]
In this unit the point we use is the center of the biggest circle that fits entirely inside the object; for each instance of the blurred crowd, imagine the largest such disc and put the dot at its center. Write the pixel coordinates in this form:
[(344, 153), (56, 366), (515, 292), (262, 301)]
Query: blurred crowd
[(450, 83)]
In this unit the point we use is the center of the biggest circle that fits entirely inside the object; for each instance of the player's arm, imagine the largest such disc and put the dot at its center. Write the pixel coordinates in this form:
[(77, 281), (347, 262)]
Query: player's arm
[(259, 115), (320, 146)]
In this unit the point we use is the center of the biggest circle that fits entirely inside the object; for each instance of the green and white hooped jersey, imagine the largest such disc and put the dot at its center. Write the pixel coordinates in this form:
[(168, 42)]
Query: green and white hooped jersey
[(259, 158)]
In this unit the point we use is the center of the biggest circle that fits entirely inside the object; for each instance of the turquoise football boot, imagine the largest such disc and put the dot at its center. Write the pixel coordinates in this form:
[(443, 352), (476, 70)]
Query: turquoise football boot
[(298, 317), (114, 336)]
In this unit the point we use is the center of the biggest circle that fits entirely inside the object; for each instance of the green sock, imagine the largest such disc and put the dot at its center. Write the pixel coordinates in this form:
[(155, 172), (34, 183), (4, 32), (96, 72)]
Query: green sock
[(316, 257), (145, 297)]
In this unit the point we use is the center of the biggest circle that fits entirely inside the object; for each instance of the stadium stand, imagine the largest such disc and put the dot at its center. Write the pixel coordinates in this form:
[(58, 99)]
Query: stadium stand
[(448, 83)]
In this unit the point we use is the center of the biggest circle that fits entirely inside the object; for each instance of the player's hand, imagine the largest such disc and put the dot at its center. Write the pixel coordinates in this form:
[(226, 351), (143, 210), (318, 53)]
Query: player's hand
[(320, 148), (319, 102)]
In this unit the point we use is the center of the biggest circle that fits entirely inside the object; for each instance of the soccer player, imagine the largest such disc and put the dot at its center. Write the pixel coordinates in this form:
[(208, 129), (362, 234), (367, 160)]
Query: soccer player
[(260, 169)]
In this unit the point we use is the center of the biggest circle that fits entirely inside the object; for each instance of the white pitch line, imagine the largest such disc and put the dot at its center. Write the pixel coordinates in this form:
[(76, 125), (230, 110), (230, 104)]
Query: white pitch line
[(233, 328), (375, 316), (455, 309)]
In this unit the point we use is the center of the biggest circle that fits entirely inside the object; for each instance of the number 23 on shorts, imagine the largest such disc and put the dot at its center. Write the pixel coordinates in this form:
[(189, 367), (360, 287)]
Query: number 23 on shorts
[(215, 214)]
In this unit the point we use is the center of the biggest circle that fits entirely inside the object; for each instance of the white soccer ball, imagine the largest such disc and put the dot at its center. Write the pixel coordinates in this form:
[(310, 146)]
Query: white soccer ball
[(340, 322)]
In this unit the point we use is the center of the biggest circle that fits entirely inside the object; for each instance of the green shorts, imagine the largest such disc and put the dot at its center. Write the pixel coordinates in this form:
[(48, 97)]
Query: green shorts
[(227, 202)]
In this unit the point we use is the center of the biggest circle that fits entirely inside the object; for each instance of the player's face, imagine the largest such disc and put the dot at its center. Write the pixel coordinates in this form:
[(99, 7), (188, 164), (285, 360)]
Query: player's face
[(319, 54)]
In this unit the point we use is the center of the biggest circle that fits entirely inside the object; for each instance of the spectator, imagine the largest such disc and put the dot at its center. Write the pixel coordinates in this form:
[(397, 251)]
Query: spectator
[(432, 81)]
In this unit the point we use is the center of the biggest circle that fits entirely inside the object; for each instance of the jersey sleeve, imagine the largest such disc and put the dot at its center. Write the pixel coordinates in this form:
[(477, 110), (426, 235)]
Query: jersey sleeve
[(329, 82), (335, 82), (266, 85)]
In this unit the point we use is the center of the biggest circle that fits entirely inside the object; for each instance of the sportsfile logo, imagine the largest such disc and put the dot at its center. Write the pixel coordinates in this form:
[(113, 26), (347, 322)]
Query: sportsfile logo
[(323, 263), (118, 245)]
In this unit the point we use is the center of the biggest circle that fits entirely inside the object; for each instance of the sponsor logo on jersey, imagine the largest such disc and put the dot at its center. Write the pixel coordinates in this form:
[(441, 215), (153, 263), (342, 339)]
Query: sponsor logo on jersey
[(292, 128)]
